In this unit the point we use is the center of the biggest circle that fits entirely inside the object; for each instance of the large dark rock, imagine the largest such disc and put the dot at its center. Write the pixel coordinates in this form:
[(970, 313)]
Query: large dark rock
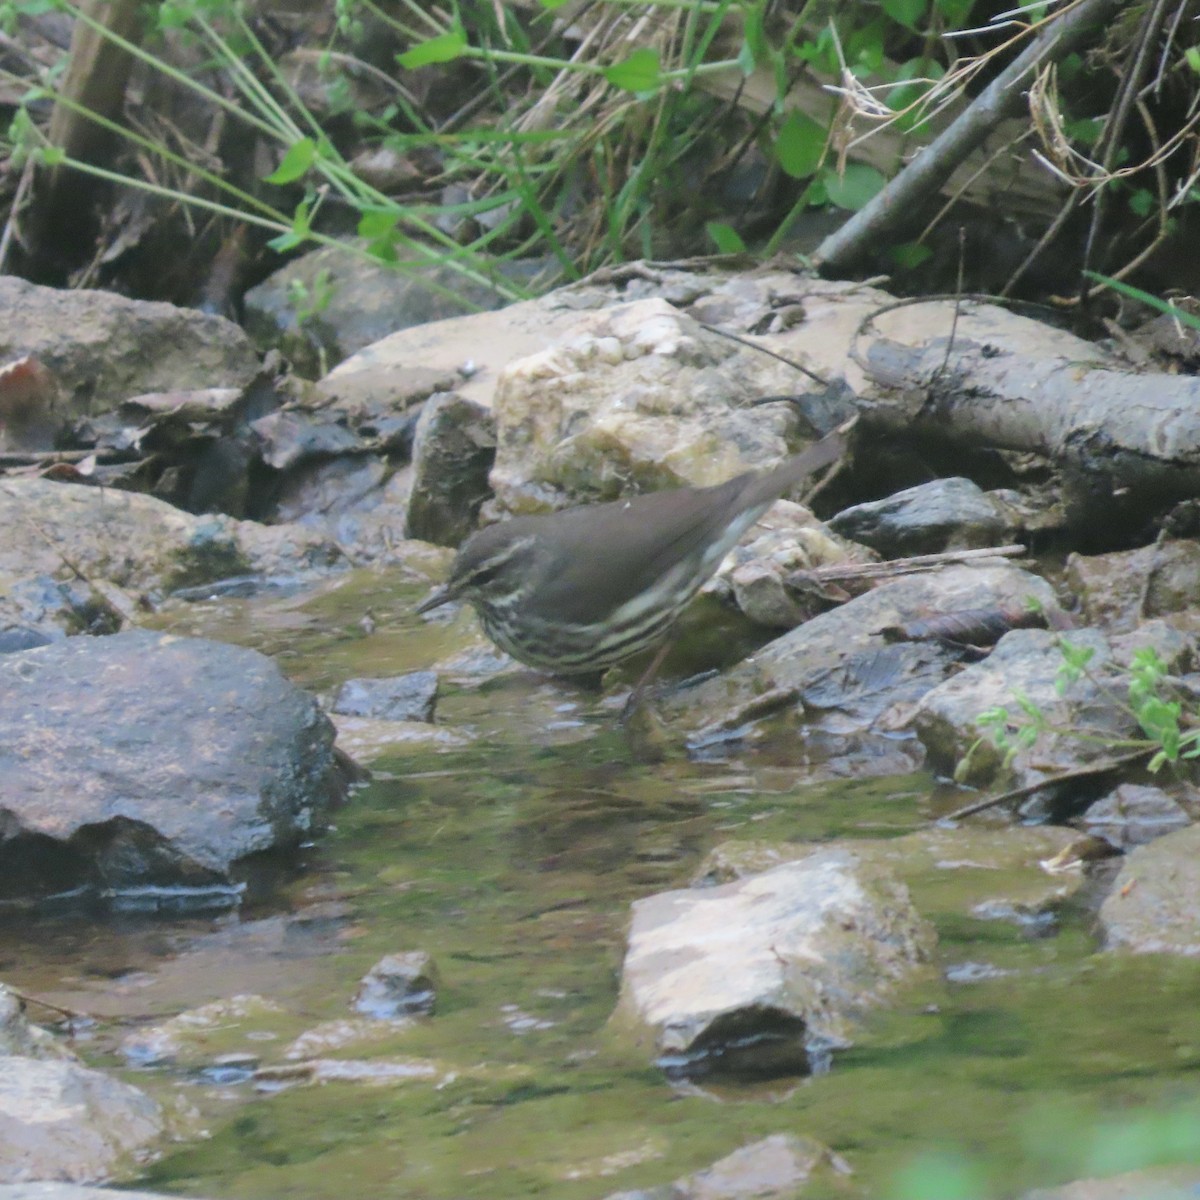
[(945, 514), (145, 760)]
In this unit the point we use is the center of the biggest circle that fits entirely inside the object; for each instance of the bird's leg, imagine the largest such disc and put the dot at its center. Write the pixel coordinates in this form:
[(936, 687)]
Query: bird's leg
[(639, 690)]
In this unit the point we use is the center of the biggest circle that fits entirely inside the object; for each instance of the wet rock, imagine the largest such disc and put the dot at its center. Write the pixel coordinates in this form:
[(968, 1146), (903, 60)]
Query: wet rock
[(197, 1035), (373, 1072), (1120, 590), (367, 739), (764, 976), (1131, 815), (410, 697), (49, 609), (105, 348), (14, 638), (1154, 905), (638, 397), (148, 761), (454, 450), (18, 1036), (332, 1036), (996, 874), (136, 542), (1027, 662), (840, 667), (945, 514), (398, 986), (62, 1121), (780, 1167), (355, 302), (1151, 1183)]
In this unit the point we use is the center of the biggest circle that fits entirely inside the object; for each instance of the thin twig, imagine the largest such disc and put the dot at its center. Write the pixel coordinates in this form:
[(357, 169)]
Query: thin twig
[(783, 358), (1086, 771)]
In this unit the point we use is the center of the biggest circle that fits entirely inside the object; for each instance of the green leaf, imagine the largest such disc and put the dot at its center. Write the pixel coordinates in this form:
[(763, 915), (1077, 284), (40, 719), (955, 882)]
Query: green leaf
[(800, 145), (856, 187), (909, 254), (300, 230), (51, 156), (726, 239), (1191, 56), (1142, 203), (637, 73), (754, 46), (445, 47), (551, 5), (296, 162), (378, 223), (905, 12), (956, 12)]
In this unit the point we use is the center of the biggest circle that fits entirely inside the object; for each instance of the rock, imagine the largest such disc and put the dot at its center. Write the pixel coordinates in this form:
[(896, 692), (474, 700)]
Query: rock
[(762, 571), (14, 638), (197, 1035), (410, 697), (398, 986), (840, 662), (135, 541), (105, 348), (454, 450), (358, 302), (987, 873), (62, 1121), (1131, 815), (1151, 1183), (765, 975), (405, 367), (637, 398), (1154, 905), (945, 514), (779, 1167), (1120, 590), (19, 1037), (366, 739), (372, 1072), (1028, 662), (332, 1036), (148, 761)]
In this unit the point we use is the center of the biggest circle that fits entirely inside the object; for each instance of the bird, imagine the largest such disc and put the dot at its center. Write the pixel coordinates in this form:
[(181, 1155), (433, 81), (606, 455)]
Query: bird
[(575, 592)]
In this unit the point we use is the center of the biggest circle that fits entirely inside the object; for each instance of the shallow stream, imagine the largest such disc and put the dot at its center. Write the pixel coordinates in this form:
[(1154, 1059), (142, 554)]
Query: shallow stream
[(1027, 1058)]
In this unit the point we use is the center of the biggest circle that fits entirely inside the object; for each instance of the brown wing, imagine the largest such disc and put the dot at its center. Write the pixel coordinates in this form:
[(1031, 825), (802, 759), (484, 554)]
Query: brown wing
[(644, 537)]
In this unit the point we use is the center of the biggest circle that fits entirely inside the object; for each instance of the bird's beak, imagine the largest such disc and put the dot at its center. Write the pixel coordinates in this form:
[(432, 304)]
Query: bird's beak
[(435, 599)]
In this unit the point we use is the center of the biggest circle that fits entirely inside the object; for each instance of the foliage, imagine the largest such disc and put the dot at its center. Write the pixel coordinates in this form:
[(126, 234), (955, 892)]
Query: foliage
[(622, 134), (1152, 697), (588, 158)]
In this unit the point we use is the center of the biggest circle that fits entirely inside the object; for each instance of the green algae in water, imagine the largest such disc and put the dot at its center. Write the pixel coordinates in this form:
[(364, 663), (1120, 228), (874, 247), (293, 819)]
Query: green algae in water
[(518, 877), (514, 865)]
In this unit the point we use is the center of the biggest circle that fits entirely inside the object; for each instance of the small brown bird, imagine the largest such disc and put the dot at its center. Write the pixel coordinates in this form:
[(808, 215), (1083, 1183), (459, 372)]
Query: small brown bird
[(578, 591)]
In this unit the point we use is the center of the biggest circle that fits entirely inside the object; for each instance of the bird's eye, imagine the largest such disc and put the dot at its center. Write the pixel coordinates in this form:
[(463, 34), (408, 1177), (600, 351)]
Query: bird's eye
[(485, 574)]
